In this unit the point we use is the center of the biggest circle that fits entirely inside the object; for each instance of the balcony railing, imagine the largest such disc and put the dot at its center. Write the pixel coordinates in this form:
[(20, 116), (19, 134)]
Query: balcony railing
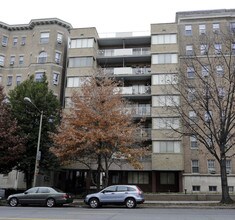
[(124, 52), (128, 71), (133, 90), (139, 111)]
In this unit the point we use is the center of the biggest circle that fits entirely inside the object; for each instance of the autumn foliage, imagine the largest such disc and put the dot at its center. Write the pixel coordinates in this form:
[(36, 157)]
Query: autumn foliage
[(98, 130), (11, 144)]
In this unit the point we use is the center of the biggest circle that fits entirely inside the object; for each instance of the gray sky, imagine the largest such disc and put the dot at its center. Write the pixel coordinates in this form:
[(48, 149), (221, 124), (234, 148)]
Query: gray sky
[(105, 15)]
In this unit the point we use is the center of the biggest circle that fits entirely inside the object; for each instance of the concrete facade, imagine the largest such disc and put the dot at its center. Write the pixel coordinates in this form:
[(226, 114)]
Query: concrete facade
[(147, 64)]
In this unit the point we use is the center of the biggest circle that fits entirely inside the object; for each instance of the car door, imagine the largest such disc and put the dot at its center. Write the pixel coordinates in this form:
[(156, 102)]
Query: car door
[(122, 193), (42, 194), (29, 196), (108, 195)]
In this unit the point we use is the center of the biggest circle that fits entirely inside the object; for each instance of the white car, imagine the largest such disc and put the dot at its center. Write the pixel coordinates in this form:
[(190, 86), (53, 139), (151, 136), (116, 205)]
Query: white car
[(129, 195)]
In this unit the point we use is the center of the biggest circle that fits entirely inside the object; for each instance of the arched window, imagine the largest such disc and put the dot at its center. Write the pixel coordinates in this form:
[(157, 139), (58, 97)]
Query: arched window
[(42, 58)]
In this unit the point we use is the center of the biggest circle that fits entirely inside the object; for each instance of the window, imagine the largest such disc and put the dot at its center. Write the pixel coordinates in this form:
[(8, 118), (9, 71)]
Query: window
[(191, 94), (138, 178), (57, 57), (23, 41), (232, 27), (219, 71), (39, 76), (15, 41), (18, 80), (212, 188), (202, 29), (233, 48), (189, 50), (218, 48), (167, 178), (9, 80), (75, 81), (164, 58), (204, 49), (122, 188), (166, 123), (12, 60), (208, 116), (193, 142), (221, 92), (195, 166), (166, 101), (81, 62), (196, 188), (59, 38), (216, 28), (211, 166), (21, 60), (56, 78), (44, 38), (192, 117), (4, 41), (228, 166), (205, 71), (43, 190), (164, 79), (2, 60), (82, 43), (190, 72), (231, 189), (164, 39), (188, 30), (166, 146), (42, 58)]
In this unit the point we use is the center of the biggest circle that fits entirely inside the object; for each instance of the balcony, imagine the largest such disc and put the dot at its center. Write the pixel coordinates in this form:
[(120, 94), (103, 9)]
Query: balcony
[(124, 55), (124, 52), (128, 71), (137, 111)]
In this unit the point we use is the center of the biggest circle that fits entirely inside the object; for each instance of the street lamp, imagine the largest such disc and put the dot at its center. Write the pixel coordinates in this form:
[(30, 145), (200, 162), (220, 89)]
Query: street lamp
[(38, 153)]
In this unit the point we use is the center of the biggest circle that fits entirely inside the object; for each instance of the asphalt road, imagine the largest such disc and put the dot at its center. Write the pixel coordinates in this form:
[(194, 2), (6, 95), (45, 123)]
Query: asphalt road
[(113, 213)]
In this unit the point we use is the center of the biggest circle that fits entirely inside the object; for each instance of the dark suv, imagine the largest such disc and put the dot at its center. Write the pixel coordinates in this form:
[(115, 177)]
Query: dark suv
[(128, 195)]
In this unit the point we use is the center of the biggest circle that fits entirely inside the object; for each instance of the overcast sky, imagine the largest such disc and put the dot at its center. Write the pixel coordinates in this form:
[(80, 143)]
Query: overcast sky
[(105, 15)]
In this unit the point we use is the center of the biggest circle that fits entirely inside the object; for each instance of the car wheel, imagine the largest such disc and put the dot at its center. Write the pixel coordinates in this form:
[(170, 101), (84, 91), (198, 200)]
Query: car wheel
[(50, 202), (13, 202), (130, 203), (94, 203)]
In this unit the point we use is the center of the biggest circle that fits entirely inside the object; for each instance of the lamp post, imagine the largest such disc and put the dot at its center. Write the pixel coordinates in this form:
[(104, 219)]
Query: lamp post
[(38, 153)]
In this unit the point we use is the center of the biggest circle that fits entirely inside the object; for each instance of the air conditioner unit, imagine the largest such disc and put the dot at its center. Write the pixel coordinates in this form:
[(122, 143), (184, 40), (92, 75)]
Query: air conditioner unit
[(212, 171), (55, 82), (22, 43), (12, 63), (215, 31), (57, 61), (4, 44), (59, 41), (1, 64)]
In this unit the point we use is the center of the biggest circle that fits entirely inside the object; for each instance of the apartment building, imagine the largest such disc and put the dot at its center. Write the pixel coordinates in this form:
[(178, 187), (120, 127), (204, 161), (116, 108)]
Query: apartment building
[(148, 64), (38, 48)]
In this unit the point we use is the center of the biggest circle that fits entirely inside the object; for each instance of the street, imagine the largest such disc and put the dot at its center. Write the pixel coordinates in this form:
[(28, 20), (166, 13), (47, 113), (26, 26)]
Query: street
[(113, 213)]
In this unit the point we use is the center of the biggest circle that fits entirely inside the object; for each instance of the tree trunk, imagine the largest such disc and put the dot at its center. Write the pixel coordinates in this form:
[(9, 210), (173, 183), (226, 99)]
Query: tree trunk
[(106, 179), (99, 169), (226, 199)]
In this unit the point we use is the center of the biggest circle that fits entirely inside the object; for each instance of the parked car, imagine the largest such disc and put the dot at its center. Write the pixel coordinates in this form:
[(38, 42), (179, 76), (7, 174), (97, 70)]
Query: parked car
[(129, 195), (47, 196)]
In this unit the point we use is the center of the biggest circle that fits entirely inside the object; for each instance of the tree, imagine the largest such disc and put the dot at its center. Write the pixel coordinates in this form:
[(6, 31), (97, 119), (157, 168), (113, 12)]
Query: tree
[(98, 129), (29, 118), (11, 142), (206, 86)]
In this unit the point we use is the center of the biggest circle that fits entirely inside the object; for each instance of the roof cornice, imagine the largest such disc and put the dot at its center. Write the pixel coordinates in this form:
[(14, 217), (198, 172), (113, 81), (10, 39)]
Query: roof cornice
[(36, 22)]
